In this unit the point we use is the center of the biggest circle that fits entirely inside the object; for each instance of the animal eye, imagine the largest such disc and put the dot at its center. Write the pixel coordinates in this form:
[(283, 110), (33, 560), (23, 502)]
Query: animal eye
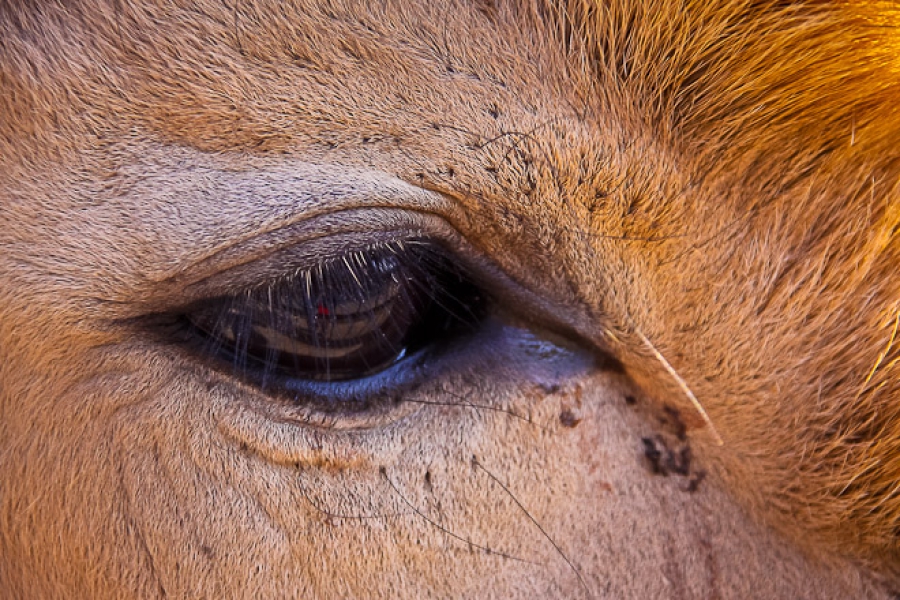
[(326, 328)]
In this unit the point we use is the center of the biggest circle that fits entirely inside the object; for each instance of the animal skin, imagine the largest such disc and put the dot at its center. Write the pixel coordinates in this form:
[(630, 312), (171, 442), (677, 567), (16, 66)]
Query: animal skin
[(689, 211)]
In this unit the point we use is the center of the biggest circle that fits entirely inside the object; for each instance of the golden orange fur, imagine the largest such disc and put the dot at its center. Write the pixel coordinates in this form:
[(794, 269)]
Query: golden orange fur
[(709, 192)]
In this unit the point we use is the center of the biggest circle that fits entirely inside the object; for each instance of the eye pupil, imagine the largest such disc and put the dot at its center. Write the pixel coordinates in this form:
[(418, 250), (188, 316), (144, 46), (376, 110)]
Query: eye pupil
[(344, 319)]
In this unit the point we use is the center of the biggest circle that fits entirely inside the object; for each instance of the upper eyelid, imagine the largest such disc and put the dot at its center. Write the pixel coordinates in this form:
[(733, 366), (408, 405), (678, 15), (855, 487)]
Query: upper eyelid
[(260, 274), (230, 208), (274, 260), (192, 217)]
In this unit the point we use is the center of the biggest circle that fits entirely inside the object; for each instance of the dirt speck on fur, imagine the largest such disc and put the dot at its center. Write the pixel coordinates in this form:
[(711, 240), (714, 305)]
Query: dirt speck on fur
[(569, 419), (664, 458)]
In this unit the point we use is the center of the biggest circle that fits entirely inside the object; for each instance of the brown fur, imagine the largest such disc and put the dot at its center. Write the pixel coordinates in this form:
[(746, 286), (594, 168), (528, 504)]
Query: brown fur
[(711, 185)]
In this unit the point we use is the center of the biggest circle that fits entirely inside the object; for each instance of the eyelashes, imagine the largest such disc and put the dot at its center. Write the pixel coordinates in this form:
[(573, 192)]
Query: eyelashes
[(342, 321)]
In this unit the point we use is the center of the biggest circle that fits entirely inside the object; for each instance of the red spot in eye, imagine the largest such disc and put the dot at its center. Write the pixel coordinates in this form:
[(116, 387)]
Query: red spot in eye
[(322, 311)]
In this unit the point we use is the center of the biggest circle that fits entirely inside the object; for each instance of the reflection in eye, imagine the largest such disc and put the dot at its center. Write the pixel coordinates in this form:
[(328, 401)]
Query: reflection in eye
[(343, 319)]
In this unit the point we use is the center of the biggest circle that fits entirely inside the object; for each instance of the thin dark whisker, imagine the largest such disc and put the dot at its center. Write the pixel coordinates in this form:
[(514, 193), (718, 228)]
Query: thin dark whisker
[(621, 238), (536, 524), (443, 529), (334, 515), (464, 404), (750, 214), (484, 142)]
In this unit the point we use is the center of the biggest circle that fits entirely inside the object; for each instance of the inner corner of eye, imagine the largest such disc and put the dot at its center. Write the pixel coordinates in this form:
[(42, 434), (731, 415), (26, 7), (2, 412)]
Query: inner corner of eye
[(344, 318)]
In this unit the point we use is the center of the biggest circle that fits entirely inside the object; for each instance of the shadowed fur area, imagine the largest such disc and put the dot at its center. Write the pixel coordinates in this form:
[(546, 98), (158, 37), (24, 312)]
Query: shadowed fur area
[(676, 223)]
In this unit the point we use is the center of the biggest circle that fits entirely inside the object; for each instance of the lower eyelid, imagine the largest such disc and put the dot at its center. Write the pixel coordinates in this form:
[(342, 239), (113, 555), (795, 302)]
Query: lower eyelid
[(388, 384), (357, 405)]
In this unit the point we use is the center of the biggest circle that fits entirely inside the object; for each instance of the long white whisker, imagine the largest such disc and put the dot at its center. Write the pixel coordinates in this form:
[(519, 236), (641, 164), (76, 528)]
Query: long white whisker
[(683, 385)]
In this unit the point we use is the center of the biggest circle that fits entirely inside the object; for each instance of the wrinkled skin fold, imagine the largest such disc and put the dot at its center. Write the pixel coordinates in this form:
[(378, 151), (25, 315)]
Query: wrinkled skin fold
[(686, 215)]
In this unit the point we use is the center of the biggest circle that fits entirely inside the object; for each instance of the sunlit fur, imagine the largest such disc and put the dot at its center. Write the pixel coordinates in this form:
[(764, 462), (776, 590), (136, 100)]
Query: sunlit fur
[(706, 190), (772, 211)]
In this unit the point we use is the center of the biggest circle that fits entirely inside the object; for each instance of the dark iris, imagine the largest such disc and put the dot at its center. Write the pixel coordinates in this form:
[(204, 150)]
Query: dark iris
[(345, 318)]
